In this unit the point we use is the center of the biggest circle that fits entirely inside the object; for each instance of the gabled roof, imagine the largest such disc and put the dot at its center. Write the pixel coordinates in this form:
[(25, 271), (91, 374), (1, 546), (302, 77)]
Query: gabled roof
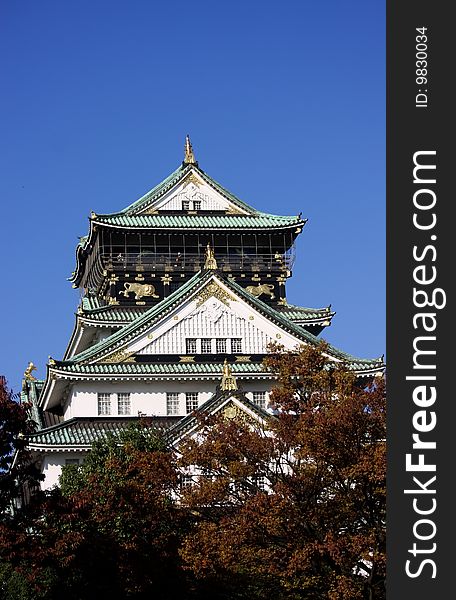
[(173, 180), (212, 406), (133, 216), (118, 340)]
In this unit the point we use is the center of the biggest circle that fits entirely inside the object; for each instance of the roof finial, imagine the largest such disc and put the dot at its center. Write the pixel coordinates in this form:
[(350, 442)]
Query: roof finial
[(28, 372), (189, 157), (210, 262), (228, 380)]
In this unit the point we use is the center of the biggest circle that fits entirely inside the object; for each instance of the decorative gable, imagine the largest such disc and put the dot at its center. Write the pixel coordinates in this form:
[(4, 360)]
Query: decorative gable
[(215, 313), (229, 406), (192, 193)]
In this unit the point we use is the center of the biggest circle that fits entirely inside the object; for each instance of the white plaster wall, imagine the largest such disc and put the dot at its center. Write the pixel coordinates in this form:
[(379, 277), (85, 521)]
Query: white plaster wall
[(52, 466), (210, 320), (148, 398), (209, 198)]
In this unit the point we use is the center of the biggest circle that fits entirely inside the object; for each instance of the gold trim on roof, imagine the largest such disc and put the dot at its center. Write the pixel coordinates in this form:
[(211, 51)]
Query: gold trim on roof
[(213, 290), (119, 357), (191, 178)]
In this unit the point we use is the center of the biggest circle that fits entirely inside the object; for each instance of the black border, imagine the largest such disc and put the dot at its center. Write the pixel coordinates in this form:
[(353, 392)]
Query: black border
[(411, 129)]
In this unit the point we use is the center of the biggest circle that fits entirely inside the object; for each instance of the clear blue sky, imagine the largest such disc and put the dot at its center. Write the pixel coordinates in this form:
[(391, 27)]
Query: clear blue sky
[(285, 105)]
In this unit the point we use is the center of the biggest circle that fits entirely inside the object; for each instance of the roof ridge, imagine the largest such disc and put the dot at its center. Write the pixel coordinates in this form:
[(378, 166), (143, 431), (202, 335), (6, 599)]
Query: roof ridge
[(169, 180), (54, 427)]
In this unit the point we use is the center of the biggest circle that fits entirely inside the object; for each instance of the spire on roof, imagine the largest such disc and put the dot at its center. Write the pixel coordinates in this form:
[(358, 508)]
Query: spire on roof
[(228, 380), (189, 157)]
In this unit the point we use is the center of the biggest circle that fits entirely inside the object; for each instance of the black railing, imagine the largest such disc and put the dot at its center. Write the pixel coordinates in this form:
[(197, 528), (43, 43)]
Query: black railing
[(151, 261)]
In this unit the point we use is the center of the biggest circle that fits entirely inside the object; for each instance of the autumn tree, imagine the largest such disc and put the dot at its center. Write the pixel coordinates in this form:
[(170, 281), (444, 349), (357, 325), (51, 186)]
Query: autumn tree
[(112, 528), (317, 529), (18, 477)]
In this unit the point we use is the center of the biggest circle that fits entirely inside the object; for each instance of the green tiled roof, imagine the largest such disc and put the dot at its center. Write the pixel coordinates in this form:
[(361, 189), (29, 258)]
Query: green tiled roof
[(301, 313), (199, 221), (119, 339), (168, 369), (121, 314), (91, 302), (184, 368), (83, 432), (130, 217), (94, 310), (114, 315)]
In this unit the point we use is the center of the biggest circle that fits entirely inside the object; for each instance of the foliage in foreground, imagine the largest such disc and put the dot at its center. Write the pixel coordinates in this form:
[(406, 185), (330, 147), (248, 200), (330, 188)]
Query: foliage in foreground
[(16, 469), (317, 531), (294, 509)]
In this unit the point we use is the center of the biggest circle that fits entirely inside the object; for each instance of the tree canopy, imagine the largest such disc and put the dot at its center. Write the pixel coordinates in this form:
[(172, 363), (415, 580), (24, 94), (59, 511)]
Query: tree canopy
[(290, 506)]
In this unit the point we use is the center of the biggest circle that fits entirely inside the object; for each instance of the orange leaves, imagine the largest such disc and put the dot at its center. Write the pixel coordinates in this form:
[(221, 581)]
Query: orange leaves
[(317, 529)]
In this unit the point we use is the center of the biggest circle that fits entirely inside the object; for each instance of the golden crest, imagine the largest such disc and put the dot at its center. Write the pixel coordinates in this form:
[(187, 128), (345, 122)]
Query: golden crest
[(213, 290)]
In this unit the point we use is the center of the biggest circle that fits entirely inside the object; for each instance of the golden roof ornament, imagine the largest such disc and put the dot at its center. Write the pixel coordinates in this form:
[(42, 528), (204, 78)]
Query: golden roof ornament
[(28, 372), (228, 380), (189, 157), (210, 262)]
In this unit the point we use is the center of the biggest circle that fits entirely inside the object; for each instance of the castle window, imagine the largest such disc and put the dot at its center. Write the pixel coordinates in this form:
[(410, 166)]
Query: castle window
[(236, 345), (220, 346), (172, 403), (206, 346), (71, 461), (185, 204), (123, 404), (196, 204), (190, 345), (261, 482), (104, 404), (186, 481), (191, 401), (259, 398)]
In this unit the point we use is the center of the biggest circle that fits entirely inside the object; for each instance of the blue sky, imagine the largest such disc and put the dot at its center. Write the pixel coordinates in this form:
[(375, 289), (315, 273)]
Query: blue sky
[(285, 105)]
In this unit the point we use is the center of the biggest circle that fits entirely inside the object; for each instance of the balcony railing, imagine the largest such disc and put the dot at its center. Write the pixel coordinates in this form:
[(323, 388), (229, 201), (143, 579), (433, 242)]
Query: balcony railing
[(150, 261)]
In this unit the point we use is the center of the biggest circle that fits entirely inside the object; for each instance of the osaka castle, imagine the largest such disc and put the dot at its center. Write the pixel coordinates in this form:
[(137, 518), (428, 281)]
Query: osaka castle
[(182, 291)]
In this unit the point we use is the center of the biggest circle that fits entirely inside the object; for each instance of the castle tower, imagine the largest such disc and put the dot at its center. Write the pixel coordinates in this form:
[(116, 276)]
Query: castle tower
[(185, 284)]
